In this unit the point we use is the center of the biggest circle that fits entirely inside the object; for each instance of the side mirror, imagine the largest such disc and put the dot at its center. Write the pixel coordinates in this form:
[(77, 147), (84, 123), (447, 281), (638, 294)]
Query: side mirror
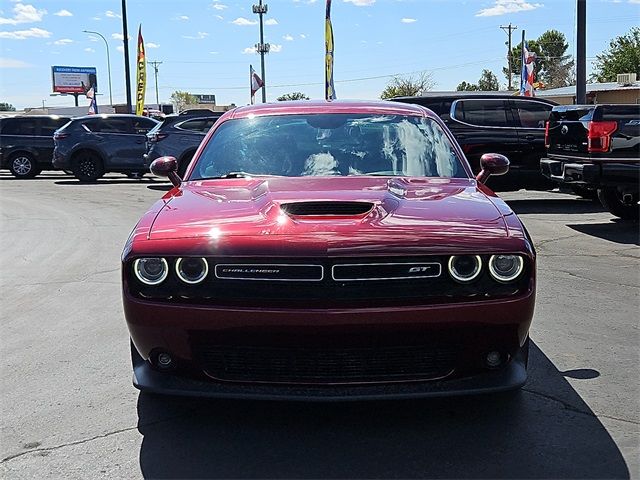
[(166, 167), (492, 164)]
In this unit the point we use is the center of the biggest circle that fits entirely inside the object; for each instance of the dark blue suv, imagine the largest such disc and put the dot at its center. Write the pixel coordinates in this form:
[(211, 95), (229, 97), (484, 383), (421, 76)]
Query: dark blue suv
[(93, 145)]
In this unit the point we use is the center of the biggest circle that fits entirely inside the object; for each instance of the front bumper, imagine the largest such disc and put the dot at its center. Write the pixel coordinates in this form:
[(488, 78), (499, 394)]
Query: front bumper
[(512, 376), (595, 174), (469, 329)]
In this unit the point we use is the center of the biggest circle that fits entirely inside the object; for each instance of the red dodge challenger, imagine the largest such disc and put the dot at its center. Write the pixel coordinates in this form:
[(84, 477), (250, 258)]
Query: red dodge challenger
[(329, 250)]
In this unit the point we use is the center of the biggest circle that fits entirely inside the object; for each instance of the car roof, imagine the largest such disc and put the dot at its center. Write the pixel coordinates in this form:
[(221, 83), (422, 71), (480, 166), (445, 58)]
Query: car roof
[(110, 115), (23, 117), (333, 106), (436, 96)]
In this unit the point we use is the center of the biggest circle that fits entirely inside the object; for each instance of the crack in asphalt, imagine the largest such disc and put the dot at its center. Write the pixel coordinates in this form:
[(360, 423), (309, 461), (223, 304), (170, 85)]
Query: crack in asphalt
[(91, 439), (575, 409), (572, 274), (542, 243)]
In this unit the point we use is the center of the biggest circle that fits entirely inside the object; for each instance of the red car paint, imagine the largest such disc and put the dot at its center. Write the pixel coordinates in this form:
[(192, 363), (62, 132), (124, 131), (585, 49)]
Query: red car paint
[(412, 220)]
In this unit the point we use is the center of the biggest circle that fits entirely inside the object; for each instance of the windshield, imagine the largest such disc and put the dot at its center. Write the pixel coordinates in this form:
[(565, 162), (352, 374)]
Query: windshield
[(329, 145)]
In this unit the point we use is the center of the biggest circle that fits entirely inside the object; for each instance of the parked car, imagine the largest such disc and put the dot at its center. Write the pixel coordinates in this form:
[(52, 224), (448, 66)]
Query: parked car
[(329, 250), (597, 147), (93, 145), (26, 143), (495, 122), (178, 136)]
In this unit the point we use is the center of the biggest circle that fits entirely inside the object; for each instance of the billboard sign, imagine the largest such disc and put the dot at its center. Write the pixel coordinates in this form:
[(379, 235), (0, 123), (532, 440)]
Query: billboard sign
[(205, 99), (74, 79)]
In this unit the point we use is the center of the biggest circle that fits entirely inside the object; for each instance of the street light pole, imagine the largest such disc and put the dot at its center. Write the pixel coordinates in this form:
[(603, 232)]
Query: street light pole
[(262, 47), (108, 61), (127, 72)]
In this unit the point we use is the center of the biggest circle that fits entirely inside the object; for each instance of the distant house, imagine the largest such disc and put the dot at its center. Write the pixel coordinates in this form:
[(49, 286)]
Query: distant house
[(625, 91)]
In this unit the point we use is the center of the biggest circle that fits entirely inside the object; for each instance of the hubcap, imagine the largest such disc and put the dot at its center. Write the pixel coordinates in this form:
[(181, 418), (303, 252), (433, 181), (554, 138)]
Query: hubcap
[(22, 165), (87, 167)]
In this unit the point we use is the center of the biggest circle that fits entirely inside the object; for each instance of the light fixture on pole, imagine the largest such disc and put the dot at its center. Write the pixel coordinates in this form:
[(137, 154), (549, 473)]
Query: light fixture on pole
[(108, 61), (262, 47)]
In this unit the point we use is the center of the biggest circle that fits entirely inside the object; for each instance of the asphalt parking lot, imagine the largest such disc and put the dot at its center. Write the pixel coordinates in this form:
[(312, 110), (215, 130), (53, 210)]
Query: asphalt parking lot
[(69, 410)]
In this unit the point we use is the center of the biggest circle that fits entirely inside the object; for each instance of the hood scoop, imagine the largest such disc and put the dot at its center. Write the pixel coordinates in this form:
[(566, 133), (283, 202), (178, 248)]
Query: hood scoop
[(328, 209)]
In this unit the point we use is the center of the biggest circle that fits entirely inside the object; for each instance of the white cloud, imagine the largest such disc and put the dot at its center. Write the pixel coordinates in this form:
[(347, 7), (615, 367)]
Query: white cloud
[(23, 14), (243, 22), (89, 50), (118, 36), (503, 7), (219, 17), (275, 48), (361, 3), (151, 45), (24, 34), (303, 36), (634, 1), (63, 13), (288, 38), (183, 18), (96, 18), (198, 36), (249, 50), (271, 21), (219, 6), (63, 41), (110, 14), (408, 20), (214, 53), (120, 48), (12, 63)]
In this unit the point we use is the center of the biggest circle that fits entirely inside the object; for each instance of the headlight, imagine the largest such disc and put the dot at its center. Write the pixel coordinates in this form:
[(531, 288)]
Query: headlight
[(151, 271), (464, 268), (506, 268), (192, 270)]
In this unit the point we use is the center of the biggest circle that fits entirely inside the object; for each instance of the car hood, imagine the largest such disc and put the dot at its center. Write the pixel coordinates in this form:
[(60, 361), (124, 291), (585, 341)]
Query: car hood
[(392, 212)]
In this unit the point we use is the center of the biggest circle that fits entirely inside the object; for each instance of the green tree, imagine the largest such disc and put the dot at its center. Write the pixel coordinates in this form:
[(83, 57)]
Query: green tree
[(466, 87), (182, 99), (408, 86), (623, 56), (7, 107), (292, 96), (488, 82)]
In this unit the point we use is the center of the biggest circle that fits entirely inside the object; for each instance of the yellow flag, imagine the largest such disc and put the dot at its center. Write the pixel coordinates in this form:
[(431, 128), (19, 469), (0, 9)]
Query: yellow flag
[(141, 74)]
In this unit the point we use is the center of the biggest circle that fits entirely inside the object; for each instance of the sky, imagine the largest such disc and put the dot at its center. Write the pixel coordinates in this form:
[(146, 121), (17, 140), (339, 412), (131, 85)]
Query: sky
[(206, 46)]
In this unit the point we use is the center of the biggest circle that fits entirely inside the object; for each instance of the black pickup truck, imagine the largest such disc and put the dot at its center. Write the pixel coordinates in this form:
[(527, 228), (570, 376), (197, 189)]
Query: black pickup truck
[(596, 147)]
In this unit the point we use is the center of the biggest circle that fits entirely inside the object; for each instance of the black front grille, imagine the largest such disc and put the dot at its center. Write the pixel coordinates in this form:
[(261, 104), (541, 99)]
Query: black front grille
[(326, 208), (324, 365)]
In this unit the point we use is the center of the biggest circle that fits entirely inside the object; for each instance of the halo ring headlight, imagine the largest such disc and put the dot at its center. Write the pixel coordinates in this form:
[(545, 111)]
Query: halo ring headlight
[(151, 270), (506, 268), (460, 272), (192, 270)]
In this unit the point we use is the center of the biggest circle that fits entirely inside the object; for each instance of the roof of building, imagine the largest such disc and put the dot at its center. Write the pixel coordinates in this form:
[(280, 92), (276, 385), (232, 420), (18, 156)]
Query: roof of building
[(591, 88)]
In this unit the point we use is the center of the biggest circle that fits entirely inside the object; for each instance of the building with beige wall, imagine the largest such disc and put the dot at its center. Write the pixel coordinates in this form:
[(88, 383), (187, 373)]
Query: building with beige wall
[(611, 92)]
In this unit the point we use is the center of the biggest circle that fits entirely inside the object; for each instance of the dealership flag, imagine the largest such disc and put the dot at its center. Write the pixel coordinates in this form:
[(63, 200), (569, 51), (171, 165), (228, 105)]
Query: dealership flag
[(329, 91), (256, 83), (528, 70), (141, 74), (91, 95)]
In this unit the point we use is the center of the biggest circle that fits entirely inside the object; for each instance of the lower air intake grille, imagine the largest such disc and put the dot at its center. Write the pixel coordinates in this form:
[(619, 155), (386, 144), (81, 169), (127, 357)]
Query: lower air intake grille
[(324, 365), (326, 208)]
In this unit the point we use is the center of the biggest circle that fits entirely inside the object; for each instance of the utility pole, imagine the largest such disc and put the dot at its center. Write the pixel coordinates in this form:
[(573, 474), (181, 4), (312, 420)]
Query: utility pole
[(127, 73), (508, 29), (155, 69), (581, 55), (262, 47)]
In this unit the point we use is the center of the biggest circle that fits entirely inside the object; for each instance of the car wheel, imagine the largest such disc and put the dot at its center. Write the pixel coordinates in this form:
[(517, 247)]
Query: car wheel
[(87, 167), (136, 175), (611, 199), (23, 165)]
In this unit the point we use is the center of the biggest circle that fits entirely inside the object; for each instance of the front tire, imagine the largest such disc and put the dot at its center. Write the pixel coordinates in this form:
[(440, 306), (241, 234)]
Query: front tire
[(87, 167), (611, 199), (23, 165)]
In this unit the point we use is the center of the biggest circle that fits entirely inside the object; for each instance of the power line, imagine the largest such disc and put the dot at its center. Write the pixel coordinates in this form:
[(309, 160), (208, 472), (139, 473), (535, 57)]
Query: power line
[(508, 29)]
